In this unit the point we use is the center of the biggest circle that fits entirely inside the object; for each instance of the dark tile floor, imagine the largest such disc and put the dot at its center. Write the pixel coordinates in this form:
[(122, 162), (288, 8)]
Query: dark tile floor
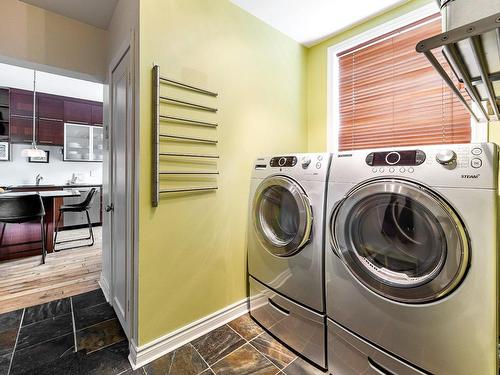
[(81, 335), (76, 335)]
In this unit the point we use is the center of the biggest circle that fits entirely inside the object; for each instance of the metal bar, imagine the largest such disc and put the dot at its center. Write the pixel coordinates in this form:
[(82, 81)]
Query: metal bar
[(189, 104), (188, 87), (193, 139), (460, 33), (188, 172), (179, 190), (477, 53), (189, 155), (498, 39), (456, 61), (188, 121), (156, 136), (435, 63), (493, 77)]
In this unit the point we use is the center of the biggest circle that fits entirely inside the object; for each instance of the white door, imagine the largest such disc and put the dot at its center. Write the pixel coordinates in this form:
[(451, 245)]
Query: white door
[(121, 189)]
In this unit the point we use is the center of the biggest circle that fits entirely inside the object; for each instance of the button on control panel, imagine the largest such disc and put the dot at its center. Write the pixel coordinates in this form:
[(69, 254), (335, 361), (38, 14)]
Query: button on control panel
[(476, 163), (476, 151)]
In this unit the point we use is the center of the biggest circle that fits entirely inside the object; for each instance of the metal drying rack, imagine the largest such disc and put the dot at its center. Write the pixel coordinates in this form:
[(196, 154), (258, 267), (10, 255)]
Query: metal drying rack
[(464, 51), (158, 135)]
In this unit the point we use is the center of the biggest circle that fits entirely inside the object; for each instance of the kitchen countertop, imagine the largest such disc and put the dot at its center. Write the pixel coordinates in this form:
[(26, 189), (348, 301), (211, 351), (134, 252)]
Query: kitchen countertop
[(51, 186), (45, 194)]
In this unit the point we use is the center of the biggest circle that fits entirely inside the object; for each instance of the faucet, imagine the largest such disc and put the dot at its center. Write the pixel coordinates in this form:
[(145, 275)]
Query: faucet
[(38, 179)]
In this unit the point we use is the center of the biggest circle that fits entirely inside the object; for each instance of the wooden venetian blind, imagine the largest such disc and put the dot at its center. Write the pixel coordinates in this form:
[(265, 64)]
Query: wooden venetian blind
[(391, 96)]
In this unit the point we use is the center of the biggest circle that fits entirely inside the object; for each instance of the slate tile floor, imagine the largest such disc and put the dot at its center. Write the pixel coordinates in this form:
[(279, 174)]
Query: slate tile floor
[(81, 335)]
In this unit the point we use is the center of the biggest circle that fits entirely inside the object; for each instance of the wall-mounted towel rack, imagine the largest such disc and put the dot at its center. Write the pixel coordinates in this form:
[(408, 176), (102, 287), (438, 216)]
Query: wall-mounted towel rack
[(159, 136)]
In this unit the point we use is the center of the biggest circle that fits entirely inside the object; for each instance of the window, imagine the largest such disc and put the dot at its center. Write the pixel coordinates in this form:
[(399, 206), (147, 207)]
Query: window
[(389, 95)]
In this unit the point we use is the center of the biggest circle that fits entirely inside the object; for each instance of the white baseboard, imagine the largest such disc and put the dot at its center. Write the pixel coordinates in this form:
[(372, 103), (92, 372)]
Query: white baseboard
[(103, 283), (140, 356)]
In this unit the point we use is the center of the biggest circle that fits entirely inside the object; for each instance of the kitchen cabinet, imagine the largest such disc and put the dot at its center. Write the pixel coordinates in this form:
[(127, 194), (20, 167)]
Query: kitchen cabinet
[(50, 132), (21, 129), (82, 142), (97, 114), (52, 111), (50, 107), (21, 102), (77, 111)]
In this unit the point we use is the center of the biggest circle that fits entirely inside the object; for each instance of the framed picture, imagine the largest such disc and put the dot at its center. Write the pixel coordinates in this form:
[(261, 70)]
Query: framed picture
[(44, 159), (4, 151)]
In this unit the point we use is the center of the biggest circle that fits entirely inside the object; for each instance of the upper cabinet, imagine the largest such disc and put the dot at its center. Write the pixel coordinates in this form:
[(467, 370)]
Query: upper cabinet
[(52, 111), (50, 107), (97, 114), (21, 102), (77, 111)]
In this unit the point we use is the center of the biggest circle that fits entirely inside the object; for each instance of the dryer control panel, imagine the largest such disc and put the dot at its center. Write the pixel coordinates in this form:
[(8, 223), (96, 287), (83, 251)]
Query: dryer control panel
[(283, 161), (473, 165), (404, 157)]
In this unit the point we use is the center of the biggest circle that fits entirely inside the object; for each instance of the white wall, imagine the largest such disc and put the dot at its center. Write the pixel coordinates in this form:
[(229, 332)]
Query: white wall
[(19, 171), (22, 78)]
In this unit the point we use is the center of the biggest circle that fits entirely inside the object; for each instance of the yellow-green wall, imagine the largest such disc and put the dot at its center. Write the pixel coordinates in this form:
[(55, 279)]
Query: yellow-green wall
[(317, 74), (192, 248)]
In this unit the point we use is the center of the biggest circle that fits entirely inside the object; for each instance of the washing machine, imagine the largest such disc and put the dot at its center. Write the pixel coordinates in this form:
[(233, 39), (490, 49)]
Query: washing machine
[(286, 250), (411, 261)]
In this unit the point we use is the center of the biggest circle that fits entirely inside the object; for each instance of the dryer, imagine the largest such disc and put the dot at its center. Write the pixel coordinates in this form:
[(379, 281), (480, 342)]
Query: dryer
[(286, 250), (411, 261)]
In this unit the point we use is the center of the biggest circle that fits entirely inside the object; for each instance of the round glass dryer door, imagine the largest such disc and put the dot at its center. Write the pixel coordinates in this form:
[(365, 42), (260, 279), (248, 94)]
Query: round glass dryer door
[(401, 241), (282, 215)]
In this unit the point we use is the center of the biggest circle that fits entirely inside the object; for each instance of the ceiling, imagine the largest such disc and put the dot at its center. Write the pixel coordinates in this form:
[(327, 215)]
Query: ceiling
[(93, 12), (311, 21)]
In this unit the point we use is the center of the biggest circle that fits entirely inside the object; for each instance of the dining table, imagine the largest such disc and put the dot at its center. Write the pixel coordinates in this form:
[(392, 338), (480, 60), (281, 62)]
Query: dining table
[(23, 240)]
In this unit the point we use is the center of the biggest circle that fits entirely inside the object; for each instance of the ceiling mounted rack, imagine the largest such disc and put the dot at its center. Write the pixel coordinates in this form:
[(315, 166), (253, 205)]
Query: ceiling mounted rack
[(159, 136), (473, 53)]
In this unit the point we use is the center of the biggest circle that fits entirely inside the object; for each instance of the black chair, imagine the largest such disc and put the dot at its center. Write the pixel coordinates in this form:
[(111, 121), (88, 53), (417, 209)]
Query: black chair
[(77, 207), (21, 209)]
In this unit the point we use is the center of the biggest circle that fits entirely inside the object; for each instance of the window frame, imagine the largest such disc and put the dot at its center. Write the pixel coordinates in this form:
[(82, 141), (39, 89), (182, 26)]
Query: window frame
[(479, 131)]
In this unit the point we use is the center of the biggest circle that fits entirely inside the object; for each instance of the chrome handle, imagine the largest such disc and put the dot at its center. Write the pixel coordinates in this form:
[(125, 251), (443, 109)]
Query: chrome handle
[(110, 207)]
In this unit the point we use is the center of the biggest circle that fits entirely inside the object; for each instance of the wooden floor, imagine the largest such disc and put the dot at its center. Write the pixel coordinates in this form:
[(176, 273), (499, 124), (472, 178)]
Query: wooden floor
[(25, 282)]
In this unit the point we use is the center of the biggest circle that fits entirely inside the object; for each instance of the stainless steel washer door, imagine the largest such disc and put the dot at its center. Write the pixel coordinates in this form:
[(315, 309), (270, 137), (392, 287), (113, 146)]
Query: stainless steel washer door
[(282, 215), (401, 240)]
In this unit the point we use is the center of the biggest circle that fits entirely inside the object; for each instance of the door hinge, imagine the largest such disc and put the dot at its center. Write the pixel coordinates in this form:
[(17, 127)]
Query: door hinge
[(128, 306), (129, 78)]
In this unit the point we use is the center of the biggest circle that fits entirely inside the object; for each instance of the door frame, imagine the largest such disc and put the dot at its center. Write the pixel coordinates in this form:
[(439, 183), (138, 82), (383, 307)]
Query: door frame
[(129, 45)]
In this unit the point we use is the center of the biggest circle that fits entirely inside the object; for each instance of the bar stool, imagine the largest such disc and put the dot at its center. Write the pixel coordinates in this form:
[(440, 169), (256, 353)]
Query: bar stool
[(19, 209), (77, 207)]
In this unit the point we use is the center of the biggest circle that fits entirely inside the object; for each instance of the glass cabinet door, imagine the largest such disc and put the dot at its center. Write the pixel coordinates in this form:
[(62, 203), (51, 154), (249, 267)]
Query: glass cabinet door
[(77, 141), (97, 143)]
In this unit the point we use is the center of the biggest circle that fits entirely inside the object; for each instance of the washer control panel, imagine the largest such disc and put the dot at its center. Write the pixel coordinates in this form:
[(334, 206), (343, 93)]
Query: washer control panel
[(395, 158), (283, 161)]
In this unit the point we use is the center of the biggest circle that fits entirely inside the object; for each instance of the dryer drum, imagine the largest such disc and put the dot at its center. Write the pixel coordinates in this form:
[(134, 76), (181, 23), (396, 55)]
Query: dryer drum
[(401, 240)]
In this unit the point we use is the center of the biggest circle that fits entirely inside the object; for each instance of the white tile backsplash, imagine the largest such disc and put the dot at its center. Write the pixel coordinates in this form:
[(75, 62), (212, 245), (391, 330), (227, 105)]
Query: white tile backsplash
[(19, 171)]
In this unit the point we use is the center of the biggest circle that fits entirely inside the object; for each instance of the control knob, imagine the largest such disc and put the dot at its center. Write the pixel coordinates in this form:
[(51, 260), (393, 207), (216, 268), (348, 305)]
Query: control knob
[(446, 157), (305, 162)]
